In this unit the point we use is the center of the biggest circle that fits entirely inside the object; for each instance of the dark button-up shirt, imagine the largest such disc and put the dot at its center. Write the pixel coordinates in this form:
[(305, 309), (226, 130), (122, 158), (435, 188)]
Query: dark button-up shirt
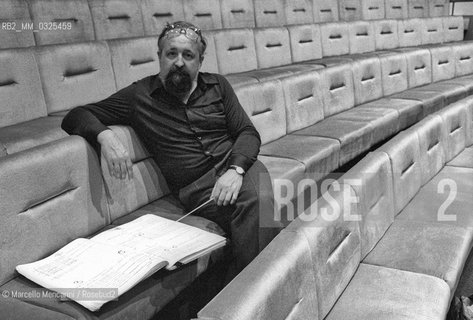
[(185, 139)]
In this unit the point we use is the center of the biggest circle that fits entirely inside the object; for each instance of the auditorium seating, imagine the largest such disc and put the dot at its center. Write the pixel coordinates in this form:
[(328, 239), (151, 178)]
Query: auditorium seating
[(324, 82), (389, 240)]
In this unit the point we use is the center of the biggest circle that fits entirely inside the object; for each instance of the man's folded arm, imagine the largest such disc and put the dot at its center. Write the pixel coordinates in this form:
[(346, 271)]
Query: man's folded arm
[(247, 139), (89, 120)]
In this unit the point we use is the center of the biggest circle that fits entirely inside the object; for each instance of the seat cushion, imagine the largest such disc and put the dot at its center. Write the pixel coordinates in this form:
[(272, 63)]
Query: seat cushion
[(446, 199), (384, 122), (431, 101), (389, 294), (452, 92), (319, 155), (32, 133), (466, 81), (409, 111), (354, 137), (283, 168), (424, 247), (464, 159)]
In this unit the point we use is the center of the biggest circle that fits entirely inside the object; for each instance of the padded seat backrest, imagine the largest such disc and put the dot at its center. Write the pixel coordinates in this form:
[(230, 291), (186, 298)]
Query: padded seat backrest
[(133, 59), (61, 21), (372, 9), (432, 31), (306, 43), (269, 13), (116, 19), (15, 12), (367, 80), (439, 8), (203, 13), (350, 10), (237, 13), (303, 100), (147, 185), (334, 39), (272, 47), (393, 72), (386, 34), (418, 8), (337, 89), (51, 195), (20, 87), (334, 244), (235, 50), (210, 63), (432, 142), (410, 32), (404, 153), (419, 67), (453, 28), (463, 55), (75, 74), (396, 9), (157, 12), (455, 122), (371, 179), (325, 10), (443, 63), (264, 104), (298, 11), (361, 37), (277, 284)]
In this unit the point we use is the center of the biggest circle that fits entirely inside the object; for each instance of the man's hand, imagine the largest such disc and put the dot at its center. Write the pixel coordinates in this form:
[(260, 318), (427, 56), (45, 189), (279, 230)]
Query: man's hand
[(227, 187), (118, 160)]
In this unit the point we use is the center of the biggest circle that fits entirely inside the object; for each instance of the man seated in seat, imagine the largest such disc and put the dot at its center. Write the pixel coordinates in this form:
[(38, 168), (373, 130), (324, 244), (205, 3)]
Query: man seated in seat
[(199, 135)]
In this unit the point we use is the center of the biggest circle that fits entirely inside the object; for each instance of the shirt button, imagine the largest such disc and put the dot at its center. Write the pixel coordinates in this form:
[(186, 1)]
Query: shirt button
[(199, 138), (207, 153)]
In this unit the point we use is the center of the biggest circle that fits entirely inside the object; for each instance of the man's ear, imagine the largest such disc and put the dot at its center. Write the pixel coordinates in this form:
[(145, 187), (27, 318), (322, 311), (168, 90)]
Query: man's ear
[(201, 58)]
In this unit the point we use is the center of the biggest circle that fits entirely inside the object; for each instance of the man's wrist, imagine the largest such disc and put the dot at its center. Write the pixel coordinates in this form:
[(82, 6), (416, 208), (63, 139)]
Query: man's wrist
[(238, 169)]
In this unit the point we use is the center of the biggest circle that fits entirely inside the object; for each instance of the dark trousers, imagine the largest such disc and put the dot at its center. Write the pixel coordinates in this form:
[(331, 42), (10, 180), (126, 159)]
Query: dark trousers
[(242, 220)]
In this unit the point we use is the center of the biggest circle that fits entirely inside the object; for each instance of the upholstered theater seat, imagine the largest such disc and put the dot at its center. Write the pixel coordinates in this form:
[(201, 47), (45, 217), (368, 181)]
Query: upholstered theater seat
[(464, 159), (325, 11), (237, 14), (280, 281), (418, 8), (157, 12), (396, 9), (424, 247), (269, 13), (432, 101), (362, 37), (409, 111), (410, 32), (75, 74), (319, 155), (133, 59), (203, 13), (116, 19), (305, 42), (400, 301), (452, 92), (31, 133), (350, 10), (15, 11), (73, 16), (334, 36)]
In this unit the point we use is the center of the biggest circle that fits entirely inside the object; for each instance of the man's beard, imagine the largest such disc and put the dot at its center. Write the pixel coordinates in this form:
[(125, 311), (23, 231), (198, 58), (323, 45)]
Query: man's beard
[(178, 82)]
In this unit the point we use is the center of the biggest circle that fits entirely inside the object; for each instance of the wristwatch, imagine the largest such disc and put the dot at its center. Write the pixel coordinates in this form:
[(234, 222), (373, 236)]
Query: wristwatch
[(238, 169)]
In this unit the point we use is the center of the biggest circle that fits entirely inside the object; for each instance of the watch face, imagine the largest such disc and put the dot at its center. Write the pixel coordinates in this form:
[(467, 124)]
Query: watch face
[(239, 170)]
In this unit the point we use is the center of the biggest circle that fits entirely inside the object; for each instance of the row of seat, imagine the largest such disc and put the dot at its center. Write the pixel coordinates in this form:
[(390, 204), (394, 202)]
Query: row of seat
[(67, 21), (59, 77), (389, 240), (57, 192)]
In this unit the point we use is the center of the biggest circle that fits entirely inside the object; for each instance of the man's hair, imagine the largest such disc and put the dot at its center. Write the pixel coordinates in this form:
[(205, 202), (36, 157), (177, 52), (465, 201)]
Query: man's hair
[(183, 25)]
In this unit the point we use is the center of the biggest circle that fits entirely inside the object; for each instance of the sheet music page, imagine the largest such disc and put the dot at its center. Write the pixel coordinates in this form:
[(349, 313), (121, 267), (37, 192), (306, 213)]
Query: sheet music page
[(161, 237), (87, 264)]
